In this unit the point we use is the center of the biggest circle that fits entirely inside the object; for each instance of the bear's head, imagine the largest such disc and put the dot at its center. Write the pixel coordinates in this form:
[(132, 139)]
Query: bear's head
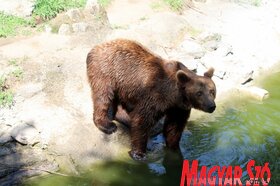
[(199, 92)]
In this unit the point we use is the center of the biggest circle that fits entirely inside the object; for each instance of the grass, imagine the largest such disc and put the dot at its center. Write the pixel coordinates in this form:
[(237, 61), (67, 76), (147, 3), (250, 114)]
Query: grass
[(104, 3), (47, 9), (9, 24), (175, 5), (6, 96)]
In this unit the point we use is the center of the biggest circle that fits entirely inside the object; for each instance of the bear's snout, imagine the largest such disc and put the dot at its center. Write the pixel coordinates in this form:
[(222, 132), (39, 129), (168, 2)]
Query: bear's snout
[(211, 107)]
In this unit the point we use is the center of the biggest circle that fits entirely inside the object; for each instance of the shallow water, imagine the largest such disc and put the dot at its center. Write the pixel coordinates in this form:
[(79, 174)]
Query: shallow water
[(248, 130)]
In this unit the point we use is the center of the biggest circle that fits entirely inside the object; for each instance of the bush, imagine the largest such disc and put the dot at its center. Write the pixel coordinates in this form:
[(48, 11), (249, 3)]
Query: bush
[(47, 9)]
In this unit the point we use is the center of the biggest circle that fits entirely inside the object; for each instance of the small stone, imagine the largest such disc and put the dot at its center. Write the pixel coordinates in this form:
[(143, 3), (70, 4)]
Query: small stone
[(74, 14), (25, 134), (64, 29), (48, 29), (80, 27)]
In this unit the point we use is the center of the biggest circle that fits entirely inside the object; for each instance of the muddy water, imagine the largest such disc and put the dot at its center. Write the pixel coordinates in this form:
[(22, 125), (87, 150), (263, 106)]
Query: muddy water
[(248, 130)]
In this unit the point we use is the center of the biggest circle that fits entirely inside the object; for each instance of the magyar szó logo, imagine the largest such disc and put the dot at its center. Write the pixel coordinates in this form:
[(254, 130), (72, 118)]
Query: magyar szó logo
[(224, 176)]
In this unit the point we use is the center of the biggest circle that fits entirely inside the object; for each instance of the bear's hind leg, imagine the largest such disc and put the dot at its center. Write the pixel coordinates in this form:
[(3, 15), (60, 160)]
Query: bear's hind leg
[(105, 107)]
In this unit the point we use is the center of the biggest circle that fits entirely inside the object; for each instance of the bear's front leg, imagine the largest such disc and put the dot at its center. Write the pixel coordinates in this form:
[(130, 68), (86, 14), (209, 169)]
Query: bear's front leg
[(174, 124), (105, 107)]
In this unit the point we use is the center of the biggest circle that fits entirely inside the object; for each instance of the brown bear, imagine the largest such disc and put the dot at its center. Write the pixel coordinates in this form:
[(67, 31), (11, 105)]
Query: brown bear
[(124, 74)]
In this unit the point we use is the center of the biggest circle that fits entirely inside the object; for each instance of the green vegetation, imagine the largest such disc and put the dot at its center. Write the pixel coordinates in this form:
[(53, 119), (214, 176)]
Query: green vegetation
[(6, 96), (17, 72), (104, 3), (251, 2), (175, 5), (9, 24), (256, 2), (47, 9)]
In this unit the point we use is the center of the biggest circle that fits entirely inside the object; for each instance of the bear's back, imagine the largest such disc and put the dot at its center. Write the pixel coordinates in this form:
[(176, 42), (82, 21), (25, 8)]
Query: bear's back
[(125, 61)]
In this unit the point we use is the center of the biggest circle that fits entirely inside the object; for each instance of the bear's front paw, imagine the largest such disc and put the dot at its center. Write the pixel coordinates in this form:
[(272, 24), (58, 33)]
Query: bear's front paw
[(108, 128), (138, 156)]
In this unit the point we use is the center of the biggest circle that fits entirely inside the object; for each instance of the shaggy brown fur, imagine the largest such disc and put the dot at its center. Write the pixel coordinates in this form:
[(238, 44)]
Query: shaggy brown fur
[(122, 73)]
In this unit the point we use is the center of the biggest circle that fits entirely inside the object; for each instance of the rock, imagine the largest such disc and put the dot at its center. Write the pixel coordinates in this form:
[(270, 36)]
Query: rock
[(4, 137), (74, 14), (192, 48), (220, 74), (92, 6), (79, 27), (210, 41), (22, 8), (64, 29), (255, 92), (25, 134), (30, 89), (48, 29), (248, 77)]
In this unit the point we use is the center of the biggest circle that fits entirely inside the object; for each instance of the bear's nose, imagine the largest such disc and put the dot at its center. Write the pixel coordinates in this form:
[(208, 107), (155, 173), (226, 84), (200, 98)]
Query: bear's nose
[(211, 108)]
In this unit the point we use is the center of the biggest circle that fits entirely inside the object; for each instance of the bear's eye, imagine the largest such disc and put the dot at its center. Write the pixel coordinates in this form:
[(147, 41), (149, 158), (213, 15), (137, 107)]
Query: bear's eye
[(199, 93), (212, 92)]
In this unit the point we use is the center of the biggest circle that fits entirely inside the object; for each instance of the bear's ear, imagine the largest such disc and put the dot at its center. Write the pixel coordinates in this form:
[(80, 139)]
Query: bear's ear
[(182, 77), (209, 73)]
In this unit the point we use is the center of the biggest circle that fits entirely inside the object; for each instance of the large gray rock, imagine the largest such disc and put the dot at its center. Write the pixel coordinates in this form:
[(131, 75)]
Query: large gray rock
[(25, 134), (92, 6), (21, 8), (74, 14), (80, 27), (192, 48)]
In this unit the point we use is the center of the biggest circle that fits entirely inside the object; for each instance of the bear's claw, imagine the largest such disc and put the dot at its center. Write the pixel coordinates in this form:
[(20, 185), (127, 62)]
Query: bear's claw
[(138, 156), (108, 129)]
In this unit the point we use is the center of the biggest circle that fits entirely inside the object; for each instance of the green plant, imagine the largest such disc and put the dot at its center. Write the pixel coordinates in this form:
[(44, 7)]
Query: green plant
[(18, 72), (47, 9), (13, 62), (6, 96), (9, 24), (175, 5), (104, 3)]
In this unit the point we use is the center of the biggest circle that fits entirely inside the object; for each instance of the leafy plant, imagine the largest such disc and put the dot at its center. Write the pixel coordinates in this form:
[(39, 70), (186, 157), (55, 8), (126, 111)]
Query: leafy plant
[(47, 9)]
